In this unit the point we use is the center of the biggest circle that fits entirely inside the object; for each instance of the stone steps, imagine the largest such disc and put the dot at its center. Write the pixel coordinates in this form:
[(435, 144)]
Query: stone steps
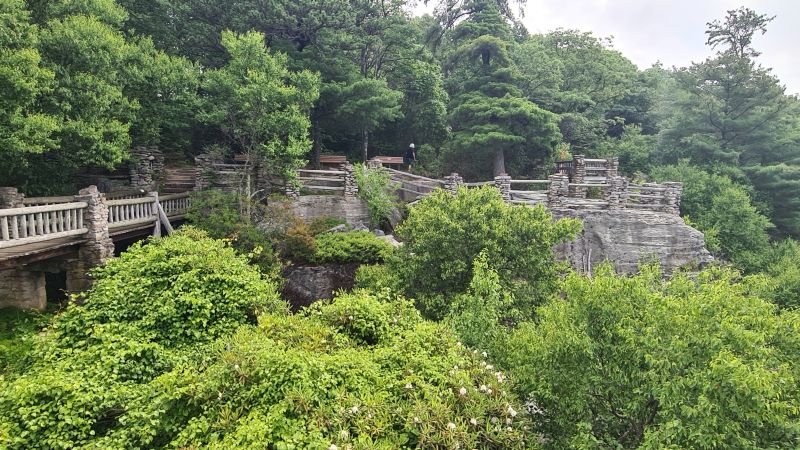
[(179, 179)]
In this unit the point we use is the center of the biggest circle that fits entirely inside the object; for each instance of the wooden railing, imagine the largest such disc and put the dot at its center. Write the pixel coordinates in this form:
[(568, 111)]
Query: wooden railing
[(19, 226), (175, 205), (131, 211), (413, 185), (322, 180), (47, 218)]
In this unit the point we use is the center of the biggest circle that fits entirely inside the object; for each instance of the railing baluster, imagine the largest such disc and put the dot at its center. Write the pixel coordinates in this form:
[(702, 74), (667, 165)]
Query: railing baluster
[(14, 227), (39, 225), (45, 223), (4, 228)]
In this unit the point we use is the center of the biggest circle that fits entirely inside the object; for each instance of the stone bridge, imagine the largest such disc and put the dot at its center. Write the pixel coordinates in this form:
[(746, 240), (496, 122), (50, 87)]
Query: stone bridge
[(72, 234)]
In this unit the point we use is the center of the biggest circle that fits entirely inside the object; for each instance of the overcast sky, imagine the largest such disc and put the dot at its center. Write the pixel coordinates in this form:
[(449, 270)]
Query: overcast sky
[(672, 31)]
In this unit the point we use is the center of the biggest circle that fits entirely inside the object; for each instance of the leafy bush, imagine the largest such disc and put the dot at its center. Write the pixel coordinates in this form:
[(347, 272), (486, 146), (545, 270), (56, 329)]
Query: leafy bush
[(377, 278), (299, 244), (177, 290), (351, 247), (443, 235), (780, 267), (17, 332), (375, 188), (305, 382), (638, 362), (723, 210), (152, 308)]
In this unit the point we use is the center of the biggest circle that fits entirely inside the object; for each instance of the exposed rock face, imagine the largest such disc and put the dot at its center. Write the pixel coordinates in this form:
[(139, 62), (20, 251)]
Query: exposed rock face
[(307, 284), (627, 237), (352, 209)]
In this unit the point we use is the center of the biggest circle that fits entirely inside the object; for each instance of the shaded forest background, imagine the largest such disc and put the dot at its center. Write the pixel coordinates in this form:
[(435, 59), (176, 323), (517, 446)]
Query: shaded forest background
[(83, 81)]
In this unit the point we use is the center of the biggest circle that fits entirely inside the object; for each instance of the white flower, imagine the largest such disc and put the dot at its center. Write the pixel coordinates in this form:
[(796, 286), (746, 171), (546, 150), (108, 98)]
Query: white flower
[(483, 363), (369, 416), (451, 426), (462, 391), (409, 386), (333, 447), (484, 354), (494, 419), (416, 419), (512, 412), (455, 367), (350, 317), (235, 367), (490, 367), (508, 420), (473, 422), (458, 344), (509, 429), (354, 409), (484, 388), (220, 395), (489, 391), (344, 434)]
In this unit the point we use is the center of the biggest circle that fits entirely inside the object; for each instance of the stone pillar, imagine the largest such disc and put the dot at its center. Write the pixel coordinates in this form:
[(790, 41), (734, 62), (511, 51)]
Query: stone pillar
[(10, 198), (374, 164), (503, 184), (578, 176), (452, 182), (23, 289), (672, 197), (612, 167), (350, 184), (616, 193), (204, 175), (147, 166), (98, 247), (558, 190)]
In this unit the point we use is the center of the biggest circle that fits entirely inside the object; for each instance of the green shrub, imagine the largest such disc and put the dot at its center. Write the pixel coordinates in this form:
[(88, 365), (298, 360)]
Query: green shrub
[(299, 244), (638, 362), (376, 278), (177, 290), (156, 306), (298, 382), (351, 247), (17, 332), (365, 320), (376, 189), (443, 235)]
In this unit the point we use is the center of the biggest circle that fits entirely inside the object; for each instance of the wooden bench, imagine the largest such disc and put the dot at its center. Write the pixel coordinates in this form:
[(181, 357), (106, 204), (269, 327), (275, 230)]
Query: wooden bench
[(390, 160), (332, 160)]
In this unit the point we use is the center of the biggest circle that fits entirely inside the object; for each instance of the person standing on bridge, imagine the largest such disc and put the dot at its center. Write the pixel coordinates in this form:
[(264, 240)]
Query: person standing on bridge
[(411, 156)]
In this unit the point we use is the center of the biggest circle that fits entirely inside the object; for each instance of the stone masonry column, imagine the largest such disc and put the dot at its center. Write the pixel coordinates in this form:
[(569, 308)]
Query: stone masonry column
[(10, 198), (452, 182), (612, 167), (98, 248), (672, 197), (350, 184), (557, 191), (374, 164), (616, 194), (578, 176), (503, 184)]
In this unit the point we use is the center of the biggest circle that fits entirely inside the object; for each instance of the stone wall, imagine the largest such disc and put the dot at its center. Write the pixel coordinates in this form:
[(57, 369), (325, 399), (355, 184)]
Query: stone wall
[(352, 209), (627, 237), (22, 289)]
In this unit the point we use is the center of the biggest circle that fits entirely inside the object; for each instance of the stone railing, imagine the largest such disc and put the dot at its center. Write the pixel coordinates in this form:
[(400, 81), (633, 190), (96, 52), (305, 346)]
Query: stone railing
[(559, 192), (19, 226)]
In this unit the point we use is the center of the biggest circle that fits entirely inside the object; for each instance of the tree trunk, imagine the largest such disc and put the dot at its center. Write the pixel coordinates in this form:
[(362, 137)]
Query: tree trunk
[(364, 144), (316, 145), (499, 163)]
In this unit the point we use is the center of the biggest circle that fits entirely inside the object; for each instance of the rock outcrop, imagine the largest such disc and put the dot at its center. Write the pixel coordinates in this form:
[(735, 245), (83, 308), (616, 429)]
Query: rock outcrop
[(307, 284), (627, 237)]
